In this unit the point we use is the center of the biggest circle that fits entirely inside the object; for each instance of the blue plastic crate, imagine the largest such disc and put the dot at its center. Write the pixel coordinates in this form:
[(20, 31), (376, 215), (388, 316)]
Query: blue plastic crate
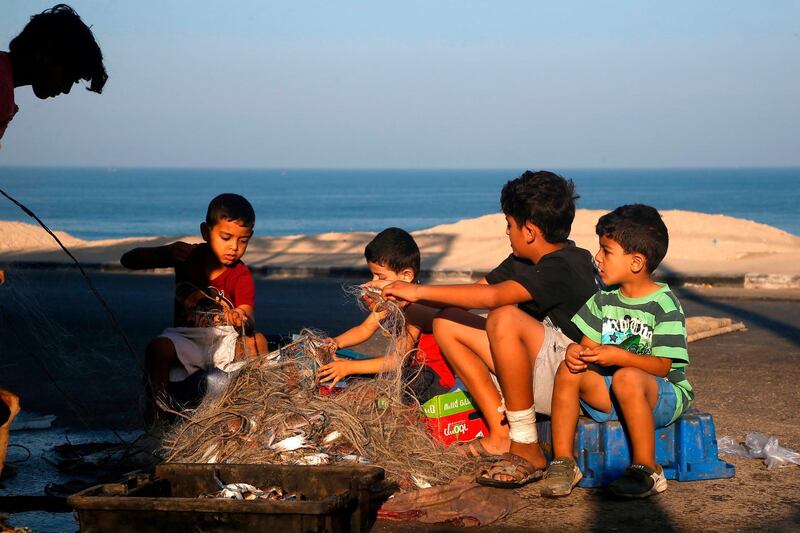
[(687, 450)]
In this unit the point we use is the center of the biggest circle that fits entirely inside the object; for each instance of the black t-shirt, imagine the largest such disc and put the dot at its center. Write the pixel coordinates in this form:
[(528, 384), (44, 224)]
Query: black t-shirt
[(559, 284)]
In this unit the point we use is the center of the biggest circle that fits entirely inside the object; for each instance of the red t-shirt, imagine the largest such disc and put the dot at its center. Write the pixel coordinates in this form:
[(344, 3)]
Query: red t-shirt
[(7, 106), (235, 284), (428, 354)]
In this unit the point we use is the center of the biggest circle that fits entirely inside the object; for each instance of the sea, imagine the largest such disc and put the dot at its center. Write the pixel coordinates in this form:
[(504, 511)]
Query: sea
[(102, 203)]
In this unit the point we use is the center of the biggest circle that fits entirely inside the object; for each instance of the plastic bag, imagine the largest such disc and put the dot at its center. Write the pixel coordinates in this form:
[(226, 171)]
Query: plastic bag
[(760, 446), (729, 446)]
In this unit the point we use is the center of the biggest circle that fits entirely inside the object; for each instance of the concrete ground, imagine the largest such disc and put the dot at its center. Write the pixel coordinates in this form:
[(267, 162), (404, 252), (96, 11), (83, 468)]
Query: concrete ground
[(748, 381), (62, 356)]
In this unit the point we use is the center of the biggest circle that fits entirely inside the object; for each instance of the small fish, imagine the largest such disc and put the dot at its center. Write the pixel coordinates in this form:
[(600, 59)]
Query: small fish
[(290, 444), (296, 421), (341, 448), (314, 459), (421, 482), (273, 493), (331, 437), (352, 458), (240, 491)]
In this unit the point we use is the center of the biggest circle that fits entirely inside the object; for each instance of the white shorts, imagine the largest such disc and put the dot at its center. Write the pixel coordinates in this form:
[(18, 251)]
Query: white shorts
[(554, 347), (552, 352), (201, 349)]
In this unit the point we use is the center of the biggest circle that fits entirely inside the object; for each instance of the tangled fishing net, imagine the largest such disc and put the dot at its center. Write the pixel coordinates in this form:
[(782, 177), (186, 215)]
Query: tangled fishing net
[(273, 410)]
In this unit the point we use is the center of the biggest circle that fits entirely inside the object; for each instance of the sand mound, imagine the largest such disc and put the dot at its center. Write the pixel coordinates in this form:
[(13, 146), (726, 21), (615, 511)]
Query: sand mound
[(699, 244)]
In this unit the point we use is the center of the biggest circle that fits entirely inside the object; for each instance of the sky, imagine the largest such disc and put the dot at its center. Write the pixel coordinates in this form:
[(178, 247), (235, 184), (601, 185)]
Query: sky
[(423, 84)]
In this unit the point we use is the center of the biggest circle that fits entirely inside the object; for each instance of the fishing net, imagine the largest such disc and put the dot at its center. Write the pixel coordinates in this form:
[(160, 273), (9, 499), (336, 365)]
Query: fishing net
[(273, 410)]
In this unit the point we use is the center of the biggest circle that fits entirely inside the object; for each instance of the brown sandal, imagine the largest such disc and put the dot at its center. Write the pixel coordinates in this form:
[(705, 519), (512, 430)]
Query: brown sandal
[(474, 449), (512, 465)]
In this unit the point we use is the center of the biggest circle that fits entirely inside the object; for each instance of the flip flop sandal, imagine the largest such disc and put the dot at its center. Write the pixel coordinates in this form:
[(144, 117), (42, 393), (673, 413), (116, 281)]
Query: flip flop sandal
[(474, 450), (511, 465)]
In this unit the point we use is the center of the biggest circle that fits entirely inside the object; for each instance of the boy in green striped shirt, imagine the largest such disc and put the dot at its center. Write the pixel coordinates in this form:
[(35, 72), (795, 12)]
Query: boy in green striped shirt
[(632, 357)]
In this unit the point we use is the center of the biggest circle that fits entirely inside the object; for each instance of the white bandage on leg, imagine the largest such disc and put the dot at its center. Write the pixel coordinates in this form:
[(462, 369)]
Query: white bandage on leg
[(522, 426)]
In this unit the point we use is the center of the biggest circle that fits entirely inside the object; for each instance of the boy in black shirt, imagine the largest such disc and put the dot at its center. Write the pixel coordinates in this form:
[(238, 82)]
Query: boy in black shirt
[(532, 296)]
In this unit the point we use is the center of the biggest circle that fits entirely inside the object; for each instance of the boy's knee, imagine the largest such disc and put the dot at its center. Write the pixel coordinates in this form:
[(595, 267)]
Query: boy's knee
[(566, 377), (159, 349), (503, 319), (261, 343), (11, 400), (443, 321), (255, 345), (563, 372), (627, 381)]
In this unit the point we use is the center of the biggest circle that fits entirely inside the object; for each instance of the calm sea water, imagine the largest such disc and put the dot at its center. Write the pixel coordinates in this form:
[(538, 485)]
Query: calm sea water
[(94, 203)]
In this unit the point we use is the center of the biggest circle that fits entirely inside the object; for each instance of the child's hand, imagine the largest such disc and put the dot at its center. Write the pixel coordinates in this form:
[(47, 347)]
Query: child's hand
[(336, 371), (604, 355), (179, 251), (371, 296), (235, 317), (401, 290), (329, 347), (573, 360)]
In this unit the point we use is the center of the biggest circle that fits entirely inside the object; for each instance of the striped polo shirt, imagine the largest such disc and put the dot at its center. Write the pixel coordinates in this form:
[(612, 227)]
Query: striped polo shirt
[(650, 325)]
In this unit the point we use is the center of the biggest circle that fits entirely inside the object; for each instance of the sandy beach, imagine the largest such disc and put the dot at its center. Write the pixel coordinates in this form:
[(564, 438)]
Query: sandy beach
[(701, 246)]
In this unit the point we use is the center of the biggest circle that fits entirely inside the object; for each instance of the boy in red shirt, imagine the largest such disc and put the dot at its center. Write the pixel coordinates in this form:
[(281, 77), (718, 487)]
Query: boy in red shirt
[(214, 297), (393, 255)]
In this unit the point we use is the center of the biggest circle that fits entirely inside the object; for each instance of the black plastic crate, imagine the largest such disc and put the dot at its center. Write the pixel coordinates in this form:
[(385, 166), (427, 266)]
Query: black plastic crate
[(337, 498)]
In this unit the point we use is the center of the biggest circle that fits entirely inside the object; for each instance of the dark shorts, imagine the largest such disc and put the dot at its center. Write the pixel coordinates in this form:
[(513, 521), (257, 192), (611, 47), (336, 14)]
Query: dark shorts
[(189, 393)]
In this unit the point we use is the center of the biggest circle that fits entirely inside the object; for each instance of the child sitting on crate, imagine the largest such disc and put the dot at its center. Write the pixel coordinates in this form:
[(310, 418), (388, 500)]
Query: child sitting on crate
[(214, 321), (394, 255), (632, 357)]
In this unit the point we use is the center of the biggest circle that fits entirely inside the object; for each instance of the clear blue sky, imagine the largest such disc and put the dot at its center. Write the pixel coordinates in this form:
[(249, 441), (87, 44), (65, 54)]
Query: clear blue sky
[(423, 84)]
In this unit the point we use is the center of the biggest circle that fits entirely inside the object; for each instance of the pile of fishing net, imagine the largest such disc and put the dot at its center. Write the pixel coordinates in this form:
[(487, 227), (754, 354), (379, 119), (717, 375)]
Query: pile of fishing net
[(274, 410)]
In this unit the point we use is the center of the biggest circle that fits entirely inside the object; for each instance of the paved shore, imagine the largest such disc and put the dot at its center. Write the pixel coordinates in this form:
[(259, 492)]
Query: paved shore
[(746, 380)]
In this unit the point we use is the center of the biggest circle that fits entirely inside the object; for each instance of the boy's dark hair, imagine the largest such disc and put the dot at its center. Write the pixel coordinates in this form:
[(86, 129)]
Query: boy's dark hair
[(637, 228), (544, 198), (62, 32), (229, 206), (395, 249)]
